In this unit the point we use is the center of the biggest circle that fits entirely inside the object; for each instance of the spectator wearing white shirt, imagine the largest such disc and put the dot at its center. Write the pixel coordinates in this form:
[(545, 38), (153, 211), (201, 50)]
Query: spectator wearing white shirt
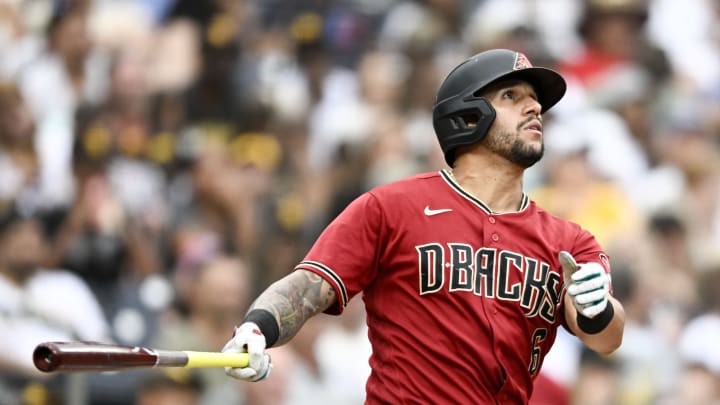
[(38, 304)]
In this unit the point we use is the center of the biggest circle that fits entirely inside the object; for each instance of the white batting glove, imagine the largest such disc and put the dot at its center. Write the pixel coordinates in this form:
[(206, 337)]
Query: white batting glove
[(249, 339), (588, 284)]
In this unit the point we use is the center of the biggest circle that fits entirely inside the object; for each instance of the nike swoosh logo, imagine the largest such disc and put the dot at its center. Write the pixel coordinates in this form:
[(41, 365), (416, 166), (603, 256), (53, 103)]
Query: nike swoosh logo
[(430, 212)]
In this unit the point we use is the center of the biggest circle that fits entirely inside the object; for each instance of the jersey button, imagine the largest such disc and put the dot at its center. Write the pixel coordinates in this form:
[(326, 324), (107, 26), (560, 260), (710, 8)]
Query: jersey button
[(491, 220), (495, 237)]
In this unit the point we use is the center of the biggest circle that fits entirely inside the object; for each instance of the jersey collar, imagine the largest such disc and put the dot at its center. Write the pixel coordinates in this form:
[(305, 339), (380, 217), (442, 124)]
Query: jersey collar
[(450, 180)]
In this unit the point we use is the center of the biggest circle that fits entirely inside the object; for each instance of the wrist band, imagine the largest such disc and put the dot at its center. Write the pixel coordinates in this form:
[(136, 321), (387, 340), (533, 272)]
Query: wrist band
[(267, 324), (597, 324)]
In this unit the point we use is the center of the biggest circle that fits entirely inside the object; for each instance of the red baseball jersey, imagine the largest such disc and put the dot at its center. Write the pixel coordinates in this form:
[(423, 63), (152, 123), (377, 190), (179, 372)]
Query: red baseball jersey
[(462, 303)]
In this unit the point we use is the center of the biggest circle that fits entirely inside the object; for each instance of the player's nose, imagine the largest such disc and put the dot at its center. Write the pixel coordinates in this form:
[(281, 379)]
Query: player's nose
[(532, 107)]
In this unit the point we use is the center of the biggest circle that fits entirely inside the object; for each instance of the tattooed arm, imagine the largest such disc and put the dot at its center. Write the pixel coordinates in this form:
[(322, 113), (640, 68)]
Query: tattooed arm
[(293, 300), (274, 318)]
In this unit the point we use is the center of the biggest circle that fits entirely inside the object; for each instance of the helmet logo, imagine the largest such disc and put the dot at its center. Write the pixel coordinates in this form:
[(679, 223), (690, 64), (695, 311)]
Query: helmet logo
[(521, 61)]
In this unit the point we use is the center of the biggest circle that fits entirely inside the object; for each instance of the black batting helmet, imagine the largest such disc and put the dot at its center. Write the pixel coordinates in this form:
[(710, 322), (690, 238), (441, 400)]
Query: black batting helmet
[(462, 117)]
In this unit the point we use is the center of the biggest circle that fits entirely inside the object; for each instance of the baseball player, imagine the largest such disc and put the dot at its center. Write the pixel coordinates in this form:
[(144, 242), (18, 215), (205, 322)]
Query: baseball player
[(465, 280)]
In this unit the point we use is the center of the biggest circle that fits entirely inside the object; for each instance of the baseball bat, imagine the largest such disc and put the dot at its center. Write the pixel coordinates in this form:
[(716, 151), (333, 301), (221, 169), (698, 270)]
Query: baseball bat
[(96, 357)]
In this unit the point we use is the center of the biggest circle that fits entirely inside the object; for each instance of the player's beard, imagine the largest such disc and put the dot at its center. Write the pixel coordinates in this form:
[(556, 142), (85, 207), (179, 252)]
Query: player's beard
[(509, 145)]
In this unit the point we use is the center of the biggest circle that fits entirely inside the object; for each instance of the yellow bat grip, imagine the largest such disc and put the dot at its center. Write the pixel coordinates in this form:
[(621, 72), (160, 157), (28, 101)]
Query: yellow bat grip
[(216, 359)]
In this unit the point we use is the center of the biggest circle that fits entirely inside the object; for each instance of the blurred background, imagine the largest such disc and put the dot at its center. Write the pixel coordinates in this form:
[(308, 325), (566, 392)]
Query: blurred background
[(162, 161)]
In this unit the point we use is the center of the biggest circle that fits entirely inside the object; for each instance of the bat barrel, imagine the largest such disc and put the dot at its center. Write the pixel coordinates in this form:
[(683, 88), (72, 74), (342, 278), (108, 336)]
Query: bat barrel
[(82, 356)]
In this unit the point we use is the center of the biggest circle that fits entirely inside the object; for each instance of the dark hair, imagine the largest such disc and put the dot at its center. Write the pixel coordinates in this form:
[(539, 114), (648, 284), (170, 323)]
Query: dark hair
[(636, 10), (60, 11), (666, 224)]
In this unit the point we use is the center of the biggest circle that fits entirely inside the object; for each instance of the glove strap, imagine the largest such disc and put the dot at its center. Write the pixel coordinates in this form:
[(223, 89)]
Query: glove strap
[(267, 324), (598, 323)]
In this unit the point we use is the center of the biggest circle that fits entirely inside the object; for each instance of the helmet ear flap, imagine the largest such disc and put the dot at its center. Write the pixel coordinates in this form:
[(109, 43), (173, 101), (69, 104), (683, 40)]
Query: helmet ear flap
[(462, 121)]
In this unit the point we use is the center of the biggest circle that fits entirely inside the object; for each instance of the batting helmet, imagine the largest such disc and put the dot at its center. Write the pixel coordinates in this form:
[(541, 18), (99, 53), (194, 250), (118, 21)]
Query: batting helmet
[(462, 117)]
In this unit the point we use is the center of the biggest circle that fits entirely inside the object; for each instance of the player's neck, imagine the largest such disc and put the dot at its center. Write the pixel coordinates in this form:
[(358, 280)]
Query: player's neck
[(500, 187)]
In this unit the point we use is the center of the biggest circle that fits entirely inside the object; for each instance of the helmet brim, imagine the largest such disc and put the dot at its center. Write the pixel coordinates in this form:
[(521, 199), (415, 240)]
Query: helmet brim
[(548, 84)]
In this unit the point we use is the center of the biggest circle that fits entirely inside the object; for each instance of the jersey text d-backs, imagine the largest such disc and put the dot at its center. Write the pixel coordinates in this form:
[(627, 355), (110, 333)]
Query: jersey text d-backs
[(462, 303)]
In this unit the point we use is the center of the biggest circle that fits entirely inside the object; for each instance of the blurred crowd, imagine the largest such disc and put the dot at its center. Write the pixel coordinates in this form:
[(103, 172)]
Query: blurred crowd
[(162, 161)]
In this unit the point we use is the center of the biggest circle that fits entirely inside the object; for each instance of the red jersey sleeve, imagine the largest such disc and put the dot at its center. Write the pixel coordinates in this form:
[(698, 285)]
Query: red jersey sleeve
[(346, 254), (587, 249)]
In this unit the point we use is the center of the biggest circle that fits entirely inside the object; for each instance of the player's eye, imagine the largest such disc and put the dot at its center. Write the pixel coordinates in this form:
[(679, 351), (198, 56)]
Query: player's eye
[(508, 94)]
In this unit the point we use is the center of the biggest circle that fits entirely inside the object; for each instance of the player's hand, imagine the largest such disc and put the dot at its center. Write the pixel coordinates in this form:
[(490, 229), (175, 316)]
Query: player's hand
[(588, 284), (248, 339)]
